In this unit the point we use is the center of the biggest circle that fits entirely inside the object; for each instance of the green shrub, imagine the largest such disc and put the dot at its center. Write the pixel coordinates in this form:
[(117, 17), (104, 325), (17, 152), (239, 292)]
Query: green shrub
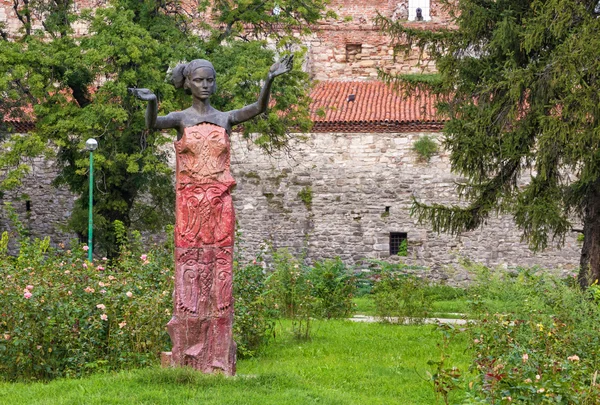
[(425, 147), (63, 316), (302, 293), (403, 248), (443, 292), (254, 318), (401, 296), (544, 350), (291, 291), (333, 287), (400, 293), (306, 195)]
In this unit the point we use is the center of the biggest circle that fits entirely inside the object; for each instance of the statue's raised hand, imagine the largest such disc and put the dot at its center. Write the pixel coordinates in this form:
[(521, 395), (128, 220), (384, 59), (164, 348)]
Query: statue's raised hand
[(142, 94), (283, 66)]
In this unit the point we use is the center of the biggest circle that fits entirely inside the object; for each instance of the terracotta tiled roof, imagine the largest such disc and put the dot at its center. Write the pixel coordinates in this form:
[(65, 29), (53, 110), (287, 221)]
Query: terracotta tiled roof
[(18, 127), (376, 107), (20, 122)]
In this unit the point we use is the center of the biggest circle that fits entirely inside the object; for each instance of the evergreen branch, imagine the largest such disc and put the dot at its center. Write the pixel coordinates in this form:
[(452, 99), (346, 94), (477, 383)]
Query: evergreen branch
[(406, 38), (454, 219)]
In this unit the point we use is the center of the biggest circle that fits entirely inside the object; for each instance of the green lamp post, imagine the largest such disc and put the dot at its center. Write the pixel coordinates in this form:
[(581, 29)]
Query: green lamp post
[(91, 145)]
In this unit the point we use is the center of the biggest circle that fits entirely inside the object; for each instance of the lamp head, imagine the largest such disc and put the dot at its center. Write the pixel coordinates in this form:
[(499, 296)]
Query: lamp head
[(91, 145)]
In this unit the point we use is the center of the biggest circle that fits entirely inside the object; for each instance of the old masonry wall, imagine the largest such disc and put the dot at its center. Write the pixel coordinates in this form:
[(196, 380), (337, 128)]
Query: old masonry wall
[(361, 187), (330, 195)]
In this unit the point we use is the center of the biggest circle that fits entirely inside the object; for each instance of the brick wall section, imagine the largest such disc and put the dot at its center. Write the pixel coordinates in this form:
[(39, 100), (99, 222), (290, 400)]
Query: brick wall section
[(327, 48), (13, 26)]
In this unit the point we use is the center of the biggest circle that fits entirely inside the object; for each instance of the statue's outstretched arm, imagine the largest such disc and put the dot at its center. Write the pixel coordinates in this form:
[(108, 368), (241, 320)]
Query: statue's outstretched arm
[(153, 121), (252, 110)]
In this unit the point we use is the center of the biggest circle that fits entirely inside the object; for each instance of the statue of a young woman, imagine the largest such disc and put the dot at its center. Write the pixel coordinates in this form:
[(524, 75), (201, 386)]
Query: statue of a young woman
[(201, 326), (198, 77)]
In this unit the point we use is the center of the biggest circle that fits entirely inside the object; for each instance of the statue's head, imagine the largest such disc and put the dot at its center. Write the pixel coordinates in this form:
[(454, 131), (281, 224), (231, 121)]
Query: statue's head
[(197, 77)]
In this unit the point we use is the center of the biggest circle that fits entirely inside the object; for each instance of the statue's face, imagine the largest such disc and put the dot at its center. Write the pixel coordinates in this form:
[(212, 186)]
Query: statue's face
[(202, 83)]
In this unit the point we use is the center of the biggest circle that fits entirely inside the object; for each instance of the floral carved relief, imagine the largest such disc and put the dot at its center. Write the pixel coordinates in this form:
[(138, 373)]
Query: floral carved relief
[(203, 315)]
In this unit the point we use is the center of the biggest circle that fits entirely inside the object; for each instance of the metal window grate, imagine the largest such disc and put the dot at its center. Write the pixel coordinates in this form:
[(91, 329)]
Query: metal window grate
[(396, 239)]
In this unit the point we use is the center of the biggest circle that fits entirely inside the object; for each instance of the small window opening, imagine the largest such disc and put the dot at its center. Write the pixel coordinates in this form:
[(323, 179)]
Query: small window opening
[(353, 52), (419, 16), (387, 209), (418, 10), (398, 243), (28, 205)]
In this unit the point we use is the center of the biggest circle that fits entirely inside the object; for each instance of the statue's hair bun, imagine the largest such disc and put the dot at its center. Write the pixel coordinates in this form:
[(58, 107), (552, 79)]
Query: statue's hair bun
[(177, 77)]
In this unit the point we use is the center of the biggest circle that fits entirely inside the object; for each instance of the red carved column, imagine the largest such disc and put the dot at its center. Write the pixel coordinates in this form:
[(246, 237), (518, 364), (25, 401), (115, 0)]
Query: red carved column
[(201, 327)]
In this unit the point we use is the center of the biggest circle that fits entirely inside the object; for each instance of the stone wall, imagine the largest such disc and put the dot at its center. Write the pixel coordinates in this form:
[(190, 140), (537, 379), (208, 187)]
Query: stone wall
[(361, 187), (331, 195), (42, 208)]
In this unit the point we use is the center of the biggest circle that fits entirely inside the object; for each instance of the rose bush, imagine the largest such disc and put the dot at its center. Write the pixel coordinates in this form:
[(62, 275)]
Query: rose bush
[(61, 315), (544, 351)]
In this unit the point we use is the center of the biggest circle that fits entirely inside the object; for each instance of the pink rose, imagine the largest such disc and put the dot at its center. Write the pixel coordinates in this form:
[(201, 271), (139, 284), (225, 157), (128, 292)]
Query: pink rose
[(144, 257), (101, 306), (99, 268), (86, 248), (104, 317), (27, 295), (29, 287)]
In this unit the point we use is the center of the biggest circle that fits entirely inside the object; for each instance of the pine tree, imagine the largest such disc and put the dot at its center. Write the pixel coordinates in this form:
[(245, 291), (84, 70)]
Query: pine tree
[(519, 82), (73, 67)]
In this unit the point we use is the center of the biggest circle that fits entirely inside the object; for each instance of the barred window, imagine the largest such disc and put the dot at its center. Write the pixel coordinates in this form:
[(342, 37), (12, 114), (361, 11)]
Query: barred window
[(397, 239)]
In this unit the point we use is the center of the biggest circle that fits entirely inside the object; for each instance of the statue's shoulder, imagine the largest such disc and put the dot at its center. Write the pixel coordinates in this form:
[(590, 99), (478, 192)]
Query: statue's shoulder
[(191, 118)]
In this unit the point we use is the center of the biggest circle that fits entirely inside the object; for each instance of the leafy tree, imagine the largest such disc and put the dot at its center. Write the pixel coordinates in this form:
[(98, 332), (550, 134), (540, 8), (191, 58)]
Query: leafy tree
[(519, 82), (76, 81)]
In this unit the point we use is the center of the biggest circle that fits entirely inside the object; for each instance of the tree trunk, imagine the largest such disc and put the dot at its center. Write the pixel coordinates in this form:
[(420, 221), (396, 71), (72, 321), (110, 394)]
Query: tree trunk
[(589, 271)]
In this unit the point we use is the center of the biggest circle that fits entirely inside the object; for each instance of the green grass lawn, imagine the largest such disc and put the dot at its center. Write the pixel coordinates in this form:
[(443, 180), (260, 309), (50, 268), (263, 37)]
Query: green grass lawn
[(344, 363), (364, 305)]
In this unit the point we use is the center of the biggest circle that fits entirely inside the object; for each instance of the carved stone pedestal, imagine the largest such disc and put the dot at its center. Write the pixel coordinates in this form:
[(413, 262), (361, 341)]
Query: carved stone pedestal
[(201, 327)]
